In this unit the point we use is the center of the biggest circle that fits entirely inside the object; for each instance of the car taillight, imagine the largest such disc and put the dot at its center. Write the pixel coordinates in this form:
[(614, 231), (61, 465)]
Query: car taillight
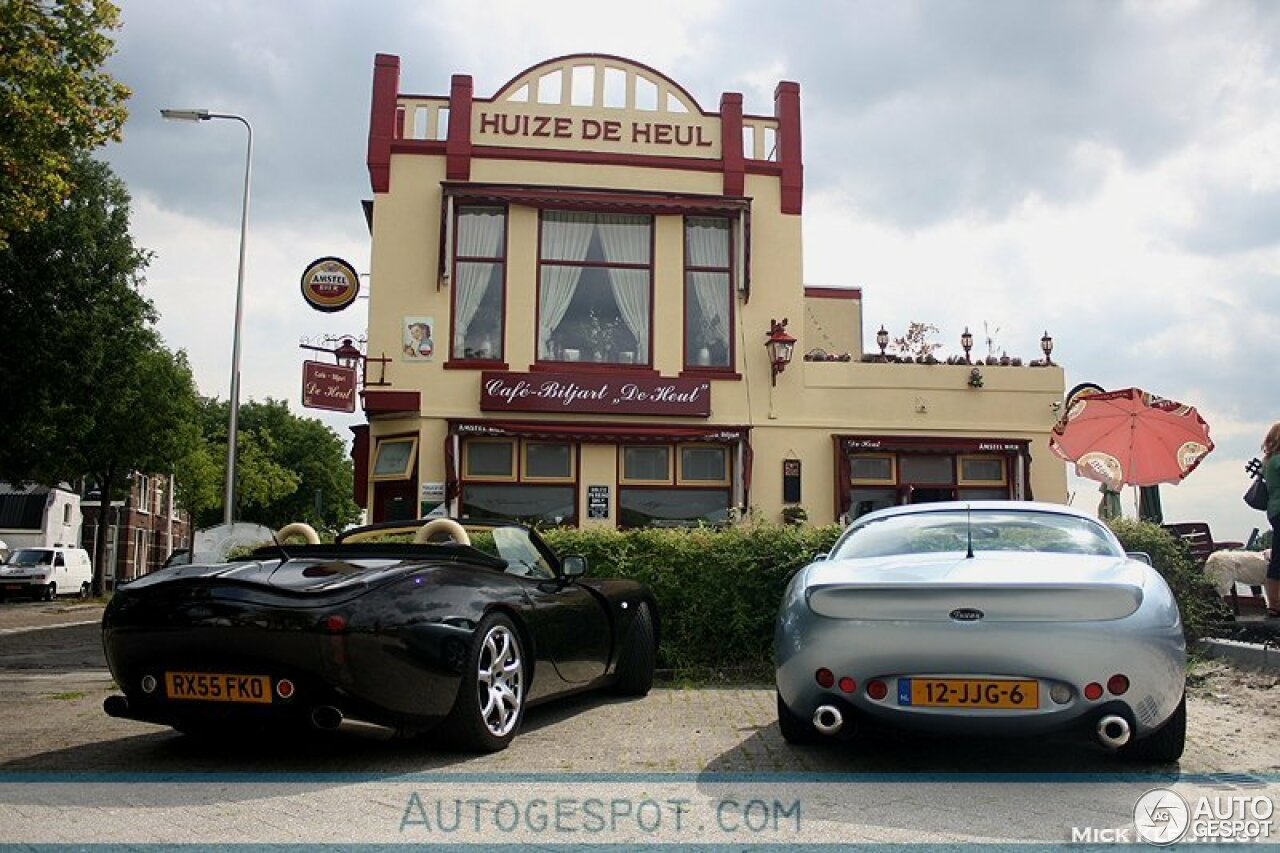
[(284, 688), (1117, 685), (334, 623), (825, 677), (1092, 691), (877, 689), (848, 685)]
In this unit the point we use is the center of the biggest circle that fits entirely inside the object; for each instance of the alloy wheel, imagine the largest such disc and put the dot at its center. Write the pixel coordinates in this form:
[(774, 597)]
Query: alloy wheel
[(500, 680)]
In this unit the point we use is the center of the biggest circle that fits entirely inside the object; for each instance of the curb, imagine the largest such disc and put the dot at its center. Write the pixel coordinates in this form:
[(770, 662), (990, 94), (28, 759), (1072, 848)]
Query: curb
[(1248, 654)]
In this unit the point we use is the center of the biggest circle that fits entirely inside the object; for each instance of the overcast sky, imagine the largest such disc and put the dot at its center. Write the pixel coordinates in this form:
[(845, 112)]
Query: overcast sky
[(1107, 171)]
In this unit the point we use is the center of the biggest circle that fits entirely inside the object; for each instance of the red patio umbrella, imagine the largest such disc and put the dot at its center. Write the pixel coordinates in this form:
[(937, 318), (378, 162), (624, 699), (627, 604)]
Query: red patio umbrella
[(1131, 437)]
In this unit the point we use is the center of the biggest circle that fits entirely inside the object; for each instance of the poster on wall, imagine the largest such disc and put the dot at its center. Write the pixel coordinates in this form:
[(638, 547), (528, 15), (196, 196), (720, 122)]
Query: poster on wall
[(433, 503), (597, 501), (417, 337)]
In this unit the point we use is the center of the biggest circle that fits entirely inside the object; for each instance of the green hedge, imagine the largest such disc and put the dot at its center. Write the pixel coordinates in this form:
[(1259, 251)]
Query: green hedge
[(718, 591), (1200, 604)]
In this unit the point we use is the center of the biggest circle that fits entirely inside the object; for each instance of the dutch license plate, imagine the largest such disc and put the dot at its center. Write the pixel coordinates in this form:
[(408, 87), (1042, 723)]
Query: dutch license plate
[(13, 587), (1020, 694), (218, 687)]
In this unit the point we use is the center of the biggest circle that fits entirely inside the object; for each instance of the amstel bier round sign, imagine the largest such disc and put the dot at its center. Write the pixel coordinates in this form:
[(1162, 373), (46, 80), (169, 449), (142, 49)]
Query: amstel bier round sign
[(330, 284)]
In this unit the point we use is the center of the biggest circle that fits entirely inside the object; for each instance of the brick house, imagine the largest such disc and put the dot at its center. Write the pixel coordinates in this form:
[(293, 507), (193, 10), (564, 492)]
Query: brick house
[(143, 529)]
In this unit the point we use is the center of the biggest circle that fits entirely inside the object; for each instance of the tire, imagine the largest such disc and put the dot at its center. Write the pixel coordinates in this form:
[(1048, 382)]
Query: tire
[(1166, 743), (490, 705), (85, 589), (636, 664), (794, 729), (51, 592)]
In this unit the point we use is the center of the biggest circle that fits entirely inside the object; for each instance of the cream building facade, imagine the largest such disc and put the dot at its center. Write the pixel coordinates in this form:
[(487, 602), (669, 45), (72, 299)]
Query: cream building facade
[(573, 282)]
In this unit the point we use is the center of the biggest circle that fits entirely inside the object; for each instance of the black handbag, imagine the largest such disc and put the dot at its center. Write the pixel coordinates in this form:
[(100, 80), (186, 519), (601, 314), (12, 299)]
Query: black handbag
[(1258, 497)]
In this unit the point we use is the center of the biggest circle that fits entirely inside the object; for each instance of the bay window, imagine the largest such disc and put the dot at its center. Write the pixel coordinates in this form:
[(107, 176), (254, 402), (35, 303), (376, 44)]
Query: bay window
[(595, 288), (673, 485)]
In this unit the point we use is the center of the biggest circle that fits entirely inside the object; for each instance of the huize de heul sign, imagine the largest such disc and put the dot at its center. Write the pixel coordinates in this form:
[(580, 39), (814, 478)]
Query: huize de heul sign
[(603, 394)]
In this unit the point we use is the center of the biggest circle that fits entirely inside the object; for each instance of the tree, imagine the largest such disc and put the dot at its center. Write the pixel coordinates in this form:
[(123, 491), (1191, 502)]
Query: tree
[(55, 101), (89, 388), (916, 342), (284, 463)]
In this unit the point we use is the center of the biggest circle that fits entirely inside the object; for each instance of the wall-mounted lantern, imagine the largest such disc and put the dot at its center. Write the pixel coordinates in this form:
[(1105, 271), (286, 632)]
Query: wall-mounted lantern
[(348, 354), (1046, 346), (780, 346)]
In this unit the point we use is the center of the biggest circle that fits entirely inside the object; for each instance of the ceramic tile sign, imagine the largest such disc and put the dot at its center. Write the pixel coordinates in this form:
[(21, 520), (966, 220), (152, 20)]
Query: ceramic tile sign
[(418, 339)]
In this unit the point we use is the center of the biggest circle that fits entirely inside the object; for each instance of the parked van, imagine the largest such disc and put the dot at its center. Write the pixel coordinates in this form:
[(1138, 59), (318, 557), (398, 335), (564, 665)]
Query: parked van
[(47, 573)]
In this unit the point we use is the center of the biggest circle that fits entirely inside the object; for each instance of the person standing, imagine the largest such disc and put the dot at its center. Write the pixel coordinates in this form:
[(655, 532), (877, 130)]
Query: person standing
[(1271, 473)]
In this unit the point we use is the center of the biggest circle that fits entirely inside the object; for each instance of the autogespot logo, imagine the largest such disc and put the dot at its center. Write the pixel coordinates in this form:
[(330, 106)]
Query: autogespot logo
[(1161, 816)]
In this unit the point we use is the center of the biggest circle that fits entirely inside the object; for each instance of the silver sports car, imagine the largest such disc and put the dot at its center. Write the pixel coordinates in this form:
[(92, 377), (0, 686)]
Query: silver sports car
[(985, 617)]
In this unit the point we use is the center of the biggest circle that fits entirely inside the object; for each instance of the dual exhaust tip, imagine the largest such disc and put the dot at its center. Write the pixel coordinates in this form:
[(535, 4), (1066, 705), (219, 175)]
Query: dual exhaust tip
[(1113, 730)]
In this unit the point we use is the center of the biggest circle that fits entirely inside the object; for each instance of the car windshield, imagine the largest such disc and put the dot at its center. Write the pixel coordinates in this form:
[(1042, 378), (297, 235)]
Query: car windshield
[(989, 530), (32, 557)]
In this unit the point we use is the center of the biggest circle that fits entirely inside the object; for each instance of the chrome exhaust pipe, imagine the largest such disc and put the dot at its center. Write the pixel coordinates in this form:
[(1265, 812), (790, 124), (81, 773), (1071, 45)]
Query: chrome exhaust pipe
[(116, 706), (1113, 731), (326, 717), (828, 719)]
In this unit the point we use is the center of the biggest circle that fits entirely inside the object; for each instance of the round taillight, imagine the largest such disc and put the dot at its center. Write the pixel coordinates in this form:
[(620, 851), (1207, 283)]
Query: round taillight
[(848, 685), (284, 688), (825, 677), (877, 689), (1117, 685), (1060, 693), (335, 624), (148, 684), (1092, 691)]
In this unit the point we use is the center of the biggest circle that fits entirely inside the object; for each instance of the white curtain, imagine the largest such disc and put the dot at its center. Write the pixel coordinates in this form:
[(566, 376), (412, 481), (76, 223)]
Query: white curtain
[(625, 239), (711, 290), (479, 236), (707, 245), (566, 237)]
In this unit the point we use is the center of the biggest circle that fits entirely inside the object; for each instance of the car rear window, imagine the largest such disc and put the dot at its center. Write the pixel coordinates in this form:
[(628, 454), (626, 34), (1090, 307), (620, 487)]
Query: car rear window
[(987, 530)]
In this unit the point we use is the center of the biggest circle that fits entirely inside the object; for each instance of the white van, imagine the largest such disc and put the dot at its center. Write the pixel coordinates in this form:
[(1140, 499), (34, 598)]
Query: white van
[(47, 573)]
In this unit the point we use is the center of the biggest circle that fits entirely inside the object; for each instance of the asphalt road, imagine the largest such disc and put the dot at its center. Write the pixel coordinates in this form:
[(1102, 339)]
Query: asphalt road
[(689, 766)]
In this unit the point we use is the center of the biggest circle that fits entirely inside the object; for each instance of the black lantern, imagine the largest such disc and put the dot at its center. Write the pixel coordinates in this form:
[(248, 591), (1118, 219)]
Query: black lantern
[(1046, 345), (348, 355), (882, 340), (780, 346), (966, 343)]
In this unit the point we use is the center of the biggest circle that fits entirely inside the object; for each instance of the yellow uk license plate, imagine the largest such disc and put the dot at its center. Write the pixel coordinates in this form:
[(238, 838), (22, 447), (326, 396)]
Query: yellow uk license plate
[(218, 687), (1019, 694)]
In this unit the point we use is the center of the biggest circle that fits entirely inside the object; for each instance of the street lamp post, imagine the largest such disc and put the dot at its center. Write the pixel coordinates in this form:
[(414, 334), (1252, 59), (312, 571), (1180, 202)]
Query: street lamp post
[(228, 507)]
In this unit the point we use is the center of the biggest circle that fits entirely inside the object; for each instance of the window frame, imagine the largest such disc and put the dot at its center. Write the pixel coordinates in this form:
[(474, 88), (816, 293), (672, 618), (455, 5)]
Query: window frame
[(681, 480), (547, 364), (455, 361), (961, 480), (412, 460), (465, 472), (690, 368), (623, 480), (526, 477), (869, 481)]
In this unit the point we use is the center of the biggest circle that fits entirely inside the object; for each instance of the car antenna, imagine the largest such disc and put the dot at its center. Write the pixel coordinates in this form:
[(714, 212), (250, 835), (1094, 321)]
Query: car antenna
[(968, 526), (280, 548)]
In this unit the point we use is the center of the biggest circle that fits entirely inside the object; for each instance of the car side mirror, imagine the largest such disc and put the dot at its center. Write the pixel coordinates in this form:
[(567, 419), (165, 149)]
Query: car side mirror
[(820, 556), (1140, 556), (573, 565)]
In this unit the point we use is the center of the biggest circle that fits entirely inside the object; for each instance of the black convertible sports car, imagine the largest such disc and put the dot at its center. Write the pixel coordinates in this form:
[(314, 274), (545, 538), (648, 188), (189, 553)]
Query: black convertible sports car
[(463, 627)]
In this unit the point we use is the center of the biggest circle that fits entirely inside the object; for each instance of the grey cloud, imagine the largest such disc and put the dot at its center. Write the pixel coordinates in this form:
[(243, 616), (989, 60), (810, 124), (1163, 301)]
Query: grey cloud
[(1233, 219)]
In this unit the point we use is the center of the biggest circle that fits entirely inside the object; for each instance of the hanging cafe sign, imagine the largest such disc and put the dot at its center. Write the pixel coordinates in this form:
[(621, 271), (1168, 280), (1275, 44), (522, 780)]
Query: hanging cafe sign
[(601, 394), (330, 284), (328, 386)]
